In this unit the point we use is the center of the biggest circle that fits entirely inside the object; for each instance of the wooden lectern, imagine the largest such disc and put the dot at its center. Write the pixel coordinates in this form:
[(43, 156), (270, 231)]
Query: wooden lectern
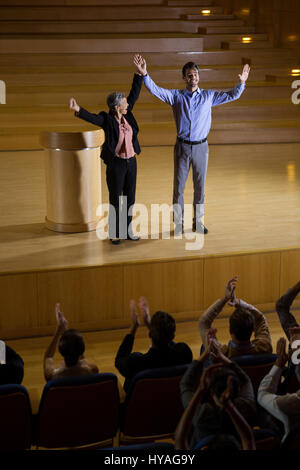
[(73, 179)]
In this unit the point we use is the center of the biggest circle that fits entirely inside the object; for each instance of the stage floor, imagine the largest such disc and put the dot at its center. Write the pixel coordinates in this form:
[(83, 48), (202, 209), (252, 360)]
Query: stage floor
[(252, 205)]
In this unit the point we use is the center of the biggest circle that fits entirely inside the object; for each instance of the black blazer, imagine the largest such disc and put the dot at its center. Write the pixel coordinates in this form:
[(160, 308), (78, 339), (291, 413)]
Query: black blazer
[(110, 125)]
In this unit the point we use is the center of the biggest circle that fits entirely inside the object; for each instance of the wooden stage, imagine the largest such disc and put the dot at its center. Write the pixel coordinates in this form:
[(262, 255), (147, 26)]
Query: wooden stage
[(253, 217)]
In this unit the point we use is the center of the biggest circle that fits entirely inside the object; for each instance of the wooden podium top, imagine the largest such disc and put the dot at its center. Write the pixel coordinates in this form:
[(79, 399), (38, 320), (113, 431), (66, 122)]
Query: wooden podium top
[(72, 140)]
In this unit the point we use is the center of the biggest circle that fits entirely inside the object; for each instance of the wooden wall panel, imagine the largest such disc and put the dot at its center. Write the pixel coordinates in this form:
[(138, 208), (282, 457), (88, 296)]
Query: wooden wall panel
[(258, 277), (280, 18), (87, 296), (98, 298), (175, 287), (290, 270), (18, 295)]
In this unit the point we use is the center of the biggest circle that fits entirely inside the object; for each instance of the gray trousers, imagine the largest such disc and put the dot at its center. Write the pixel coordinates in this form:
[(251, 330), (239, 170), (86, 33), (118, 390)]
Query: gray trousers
[(186, 155)]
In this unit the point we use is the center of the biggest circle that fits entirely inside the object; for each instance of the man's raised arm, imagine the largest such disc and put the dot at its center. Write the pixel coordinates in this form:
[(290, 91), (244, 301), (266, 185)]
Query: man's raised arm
[(222, 97), (162, 93)]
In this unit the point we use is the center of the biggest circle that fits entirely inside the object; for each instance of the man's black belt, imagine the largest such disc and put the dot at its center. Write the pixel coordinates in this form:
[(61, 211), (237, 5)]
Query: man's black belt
[(197, 142)]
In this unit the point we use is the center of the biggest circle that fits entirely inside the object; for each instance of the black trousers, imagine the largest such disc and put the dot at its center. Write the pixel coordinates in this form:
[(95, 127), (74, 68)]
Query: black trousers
[(121, 181)]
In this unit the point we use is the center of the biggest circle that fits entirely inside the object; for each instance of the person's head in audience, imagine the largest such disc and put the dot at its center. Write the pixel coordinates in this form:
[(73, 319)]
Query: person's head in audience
[(71, 347), (241, 326), (11, 365), (219, 383), (162, 329)]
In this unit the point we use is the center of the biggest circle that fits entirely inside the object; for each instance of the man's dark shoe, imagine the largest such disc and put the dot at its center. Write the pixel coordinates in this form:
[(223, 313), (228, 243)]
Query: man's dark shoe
[(115, 241), (199, 228)]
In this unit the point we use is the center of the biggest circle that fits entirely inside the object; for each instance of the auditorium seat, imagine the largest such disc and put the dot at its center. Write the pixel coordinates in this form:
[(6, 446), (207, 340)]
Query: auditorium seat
[(152, 407), (256, 366), (16, 418), (78, 411)]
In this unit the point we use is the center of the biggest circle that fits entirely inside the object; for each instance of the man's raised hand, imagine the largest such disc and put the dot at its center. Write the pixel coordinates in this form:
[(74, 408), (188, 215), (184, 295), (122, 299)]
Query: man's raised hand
[(140, 64), (245, 73)]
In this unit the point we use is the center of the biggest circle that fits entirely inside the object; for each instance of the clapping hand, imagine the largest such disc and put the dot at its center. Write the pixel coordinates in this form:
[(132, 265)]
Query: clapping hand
[(62, 322), (230, 288), (282, 356), (144, 308), (245, 73), (211, 335), (216, 354), (233, 302), (225, 398), (135, 321)]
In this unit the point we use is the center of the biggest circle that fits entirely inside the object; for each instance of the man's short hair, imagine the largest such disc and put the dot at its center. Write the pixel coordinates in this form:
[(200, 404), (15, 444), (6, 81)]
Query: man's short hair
[(189, 66), (71, 346), (114, 99), (162, 329), (241, 324)]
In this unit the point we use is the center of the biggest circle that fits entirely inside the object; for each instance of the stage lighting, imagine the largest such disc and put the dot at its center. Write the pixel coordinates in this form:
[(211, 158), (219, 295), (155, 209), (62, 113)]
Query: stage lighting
[(247, 39)]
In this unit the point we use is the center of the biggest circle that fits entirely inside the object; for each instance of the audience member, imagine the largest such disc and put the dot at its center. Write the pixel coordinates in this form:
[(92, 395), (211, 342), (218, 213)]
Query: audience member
[(292, 331), (244, 321), (224, 401), (208, 417), (163, 352), (283, 306), (71, 347), (11, 367), (285, 408)]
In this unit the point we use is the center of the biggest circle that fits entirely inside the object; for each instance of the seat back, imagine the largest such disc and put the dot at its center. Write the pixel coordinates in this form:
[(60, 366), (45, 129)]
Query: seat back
[(77, 411), (292, 440), (256, 367), (266, 439), (16, 418), (153, 404)]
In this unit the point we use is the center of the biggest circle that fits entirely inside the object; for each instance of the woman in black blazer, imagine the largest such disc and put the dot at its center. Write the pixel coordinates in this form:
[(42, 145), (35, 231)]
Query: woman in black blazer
[(118, 153)]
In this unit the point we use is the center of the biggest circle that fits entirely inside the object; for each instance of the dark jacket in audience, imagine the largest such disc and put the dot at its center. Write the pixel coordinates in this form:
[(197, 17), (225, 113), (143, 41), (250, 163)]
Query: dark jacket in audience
[(129, 364), (13, 371)]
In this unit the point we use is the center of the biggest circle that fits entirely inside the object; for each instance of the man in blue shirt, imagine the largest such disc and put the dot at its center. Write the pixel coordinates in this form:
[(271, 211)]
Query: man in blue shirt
[(192, 114)]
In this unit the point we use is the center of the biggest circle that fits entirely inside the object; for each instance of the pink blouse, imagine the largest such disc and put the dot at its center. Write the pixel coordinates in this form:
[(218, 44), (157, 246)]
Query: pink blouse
[(124, 148)]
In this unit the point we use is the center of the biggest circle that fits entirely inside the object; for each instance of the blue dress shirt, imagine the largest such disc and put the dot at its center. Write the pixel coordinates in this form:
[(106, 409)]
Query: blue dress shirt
[(192, 111)]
